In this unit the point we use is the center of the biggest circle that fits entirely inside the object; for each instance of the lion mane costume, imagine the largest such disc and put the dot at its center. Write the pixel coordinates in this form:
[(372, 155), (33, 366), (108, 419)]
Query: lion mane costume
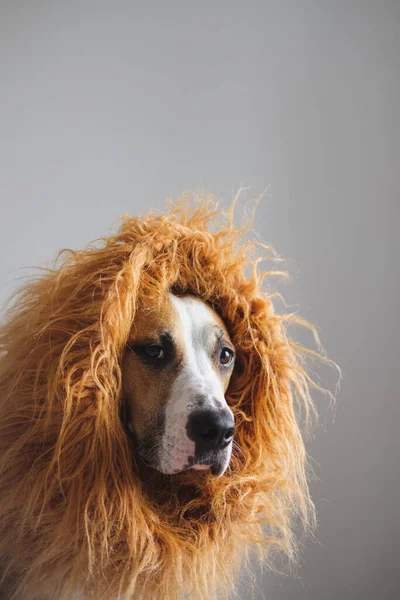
[(78, 517)]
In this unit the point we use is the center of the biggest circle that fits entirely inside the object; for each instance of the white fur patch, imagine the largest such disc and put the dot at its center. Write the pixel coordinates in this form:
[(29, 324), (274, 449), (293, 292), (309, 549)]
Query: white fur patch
[(197, 377)]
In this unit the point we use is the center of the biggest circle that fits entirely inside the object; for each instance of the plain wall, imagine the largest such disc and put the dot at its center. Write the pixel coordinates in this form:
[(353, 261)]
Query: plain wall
[(109, 107)]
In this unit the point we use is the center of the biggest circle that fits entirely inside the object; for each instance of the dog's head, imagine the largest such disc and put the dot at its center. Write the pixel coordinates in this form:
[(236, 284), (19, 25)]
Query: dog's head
[(157, 347), (176, 370)]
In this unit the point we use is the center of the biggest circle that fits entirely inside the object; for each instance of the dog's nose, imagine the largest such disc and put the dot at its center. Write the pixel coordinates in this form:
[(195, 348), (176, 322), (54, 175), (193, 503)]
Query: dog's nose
[(211, 429)]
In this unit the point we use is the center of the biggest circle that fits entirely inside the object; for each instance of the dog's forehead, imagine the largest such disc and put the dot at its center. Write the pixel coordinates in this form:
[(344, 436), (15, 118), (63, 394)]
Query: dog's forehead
[(196, 317), (152, 321), (181, 314)]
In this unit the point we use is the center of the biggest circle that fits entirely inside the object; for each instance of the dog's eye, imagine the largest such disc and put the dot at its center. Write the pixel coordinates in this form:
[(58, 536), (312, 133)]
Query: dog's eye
[(226, 357), (154, 351)]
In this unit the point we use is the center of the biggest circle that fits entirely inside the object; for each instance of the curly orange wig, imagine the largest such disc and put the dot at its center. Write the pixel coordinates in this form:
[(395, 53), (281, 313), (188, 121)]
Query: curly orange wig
[(77, 514)]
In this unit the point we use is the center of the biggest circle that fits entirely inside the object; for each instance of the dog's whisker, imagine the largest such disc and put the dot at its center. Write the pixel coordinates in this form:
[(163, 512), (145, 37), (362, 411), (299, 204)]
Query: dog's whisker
[(235, 446)]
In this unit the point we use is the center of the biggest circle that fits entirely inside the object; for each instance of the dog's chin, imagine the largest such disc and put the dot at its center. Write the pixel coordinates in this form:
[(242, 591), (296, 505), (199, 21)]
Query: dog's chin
[(216, 466)]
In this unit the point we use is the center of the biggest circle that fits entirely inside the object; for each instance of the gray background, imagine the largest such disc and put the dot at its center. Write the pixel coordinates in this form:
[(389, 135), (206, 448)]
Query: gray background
[(111, 107)]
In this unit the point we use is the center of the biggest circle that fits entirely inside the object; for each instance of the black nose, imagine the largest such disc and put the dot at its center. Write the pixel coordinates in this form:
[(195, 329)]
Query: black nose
[(211, 429)]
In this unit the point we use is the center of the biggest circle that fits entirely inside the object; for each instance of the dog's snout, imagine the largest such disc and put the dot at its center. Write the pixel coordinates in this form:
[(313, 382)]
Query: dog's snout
[(210, 429)]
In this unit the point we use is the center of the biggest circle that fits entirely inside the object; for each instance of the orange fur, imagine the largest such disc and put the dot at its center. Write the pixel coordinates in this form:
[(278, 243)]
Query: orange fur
[(76, 511)]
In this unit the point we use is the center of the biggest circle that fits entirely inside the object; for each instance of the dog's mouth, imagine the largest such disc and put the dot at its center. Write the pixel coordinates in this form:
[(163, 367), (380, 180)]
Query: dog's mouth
[(216, 462), (216, 467), (200, 467)]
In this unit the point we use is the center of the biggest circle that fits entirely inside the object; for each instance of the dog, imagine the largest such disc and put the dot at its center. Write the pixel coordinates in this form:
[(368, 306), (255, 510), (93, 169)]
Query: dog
[(148, 431)]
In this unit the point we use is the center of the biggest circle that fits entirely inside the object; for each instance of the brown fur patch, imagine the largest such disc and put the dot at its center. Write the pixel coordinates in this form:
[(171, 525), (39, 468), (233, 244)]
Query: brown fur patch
[(145, 391)]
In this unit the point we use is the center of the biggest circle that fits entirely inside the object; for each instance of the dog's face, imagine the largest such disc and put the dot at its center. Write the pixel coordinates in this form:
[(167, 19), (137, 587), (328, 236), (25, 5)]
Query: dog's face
[(176, 370)]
